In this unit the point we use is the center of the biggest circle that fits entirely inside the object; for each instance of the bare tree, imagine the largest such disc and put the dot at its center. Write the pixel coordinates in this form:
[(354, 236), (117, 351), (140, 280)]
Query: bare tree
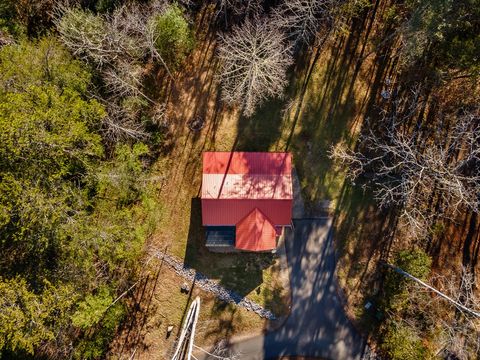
[(136, 23), (229, 8), (462, 299), (462, 334), (127, 23), (89, 36), (460, 330), (254, 58), (304, 19), (407, 173), (125, 79), (220, 351), (120, 125), (150, 38), (117, 44), (126, 35)]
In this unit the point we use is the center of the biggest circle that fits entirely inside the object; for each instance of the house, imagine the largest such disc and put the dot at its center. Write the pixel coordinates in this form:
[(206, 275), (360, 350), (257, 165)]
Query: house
[(246, 199)]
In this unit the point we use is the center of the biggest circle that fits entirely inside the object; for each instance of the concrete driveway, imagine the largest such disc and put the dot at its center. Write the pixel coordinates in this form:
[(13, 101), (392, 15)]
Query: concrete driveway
[(317, 325)]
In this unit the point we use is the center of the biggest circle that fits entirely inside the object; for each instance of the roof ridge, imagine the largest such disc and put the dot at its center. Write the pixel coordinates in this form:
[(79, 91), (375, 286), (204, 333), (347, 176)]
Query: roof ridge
[(259, 211)]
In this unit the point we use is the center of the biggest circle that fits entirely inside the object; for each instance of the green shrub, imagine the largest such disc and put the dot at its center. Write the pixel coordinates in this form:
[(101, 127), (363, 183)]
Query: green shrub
[(400, 342), (28, 319), (174, 39), (415, 262), (91, 310), (95, 345), (121, 179)]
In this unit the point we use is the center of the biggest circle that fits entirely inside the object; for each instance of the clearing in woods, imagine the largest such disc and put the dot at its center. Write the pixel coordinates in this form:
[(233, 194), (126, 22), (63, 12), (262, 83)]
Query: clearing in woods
[(323, 106)]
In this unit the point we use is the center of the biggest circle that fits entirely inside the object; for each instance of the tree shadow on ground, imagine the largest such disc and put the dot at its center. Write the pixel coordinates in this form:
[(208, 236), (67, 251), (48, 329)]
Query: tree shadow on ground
[(333, 96), (364, 235), (225, 313), (261, 131), (240, 272), (139, 309)]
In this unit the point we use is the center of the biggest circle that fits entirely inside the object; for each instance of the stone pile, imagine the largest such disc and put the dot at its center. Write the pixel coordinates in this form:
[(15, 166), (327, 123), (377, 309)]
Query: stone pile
[(216, 289)]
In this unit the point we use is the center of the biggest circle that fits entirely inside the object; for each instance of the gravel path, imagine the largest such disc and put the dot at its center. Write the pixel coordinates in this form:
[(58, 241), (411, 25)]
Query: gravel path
[(213, 287)]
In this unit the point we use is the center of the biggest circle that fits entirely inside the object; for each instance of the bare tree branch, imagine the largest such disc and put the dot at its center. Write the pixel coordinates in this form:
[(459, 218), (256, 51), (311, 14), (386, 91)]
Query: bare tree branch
[(304, 19), (228, 8), (407, 175), (456, 302), (220, 351), (125, 80), (460, 332), (254, 62)]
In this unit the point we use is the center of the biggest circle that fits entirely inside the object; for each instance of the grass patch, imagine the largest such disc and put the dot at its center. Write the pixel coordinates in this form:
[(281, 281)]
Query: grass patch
[(163, 304)]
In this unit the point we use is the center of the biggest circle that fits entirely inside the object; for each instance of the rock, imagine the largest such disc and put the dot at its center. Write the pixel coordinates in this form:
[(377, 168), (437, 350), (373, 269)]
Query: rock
[(185, 288)]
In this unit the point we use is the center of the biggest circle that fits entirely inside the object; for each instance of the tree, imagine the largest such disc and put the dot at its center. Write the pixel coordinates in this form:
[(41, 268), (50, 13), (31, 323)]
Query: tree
[(407, 174), (32, 17), (118, 45), (427, 312), (460, 334), (92, 309), (10, 26), (401, 343), (233, 8), (396, 288), (254, 58), (91, 312), (106, 243), (126, 36), (304, 19), (125, 80), (47, 136), (448, 31), (71, 222), (92, 37), (172, 36), (27, 319)]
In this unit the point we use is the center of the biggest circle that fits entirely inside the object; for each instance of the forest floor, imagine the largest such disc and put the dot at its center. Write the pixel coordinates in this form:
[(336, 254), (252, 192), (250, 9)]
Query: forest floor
[(330, 93)]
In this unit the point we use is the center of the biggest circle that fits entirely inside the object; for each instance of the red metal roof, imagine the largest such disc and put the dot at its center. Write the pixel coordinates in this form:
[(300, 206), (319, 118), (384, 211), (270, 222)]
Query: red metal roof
[(249, 190), (217, 212), (255, 232), (246, 186), (247, 175), (260, 163)]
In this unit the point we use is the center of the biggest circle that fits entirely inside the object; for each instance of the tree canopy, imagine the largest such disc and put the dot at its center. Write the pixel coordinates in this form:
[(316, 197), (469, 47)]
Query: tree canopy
[(173, 37), (70, 217)]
